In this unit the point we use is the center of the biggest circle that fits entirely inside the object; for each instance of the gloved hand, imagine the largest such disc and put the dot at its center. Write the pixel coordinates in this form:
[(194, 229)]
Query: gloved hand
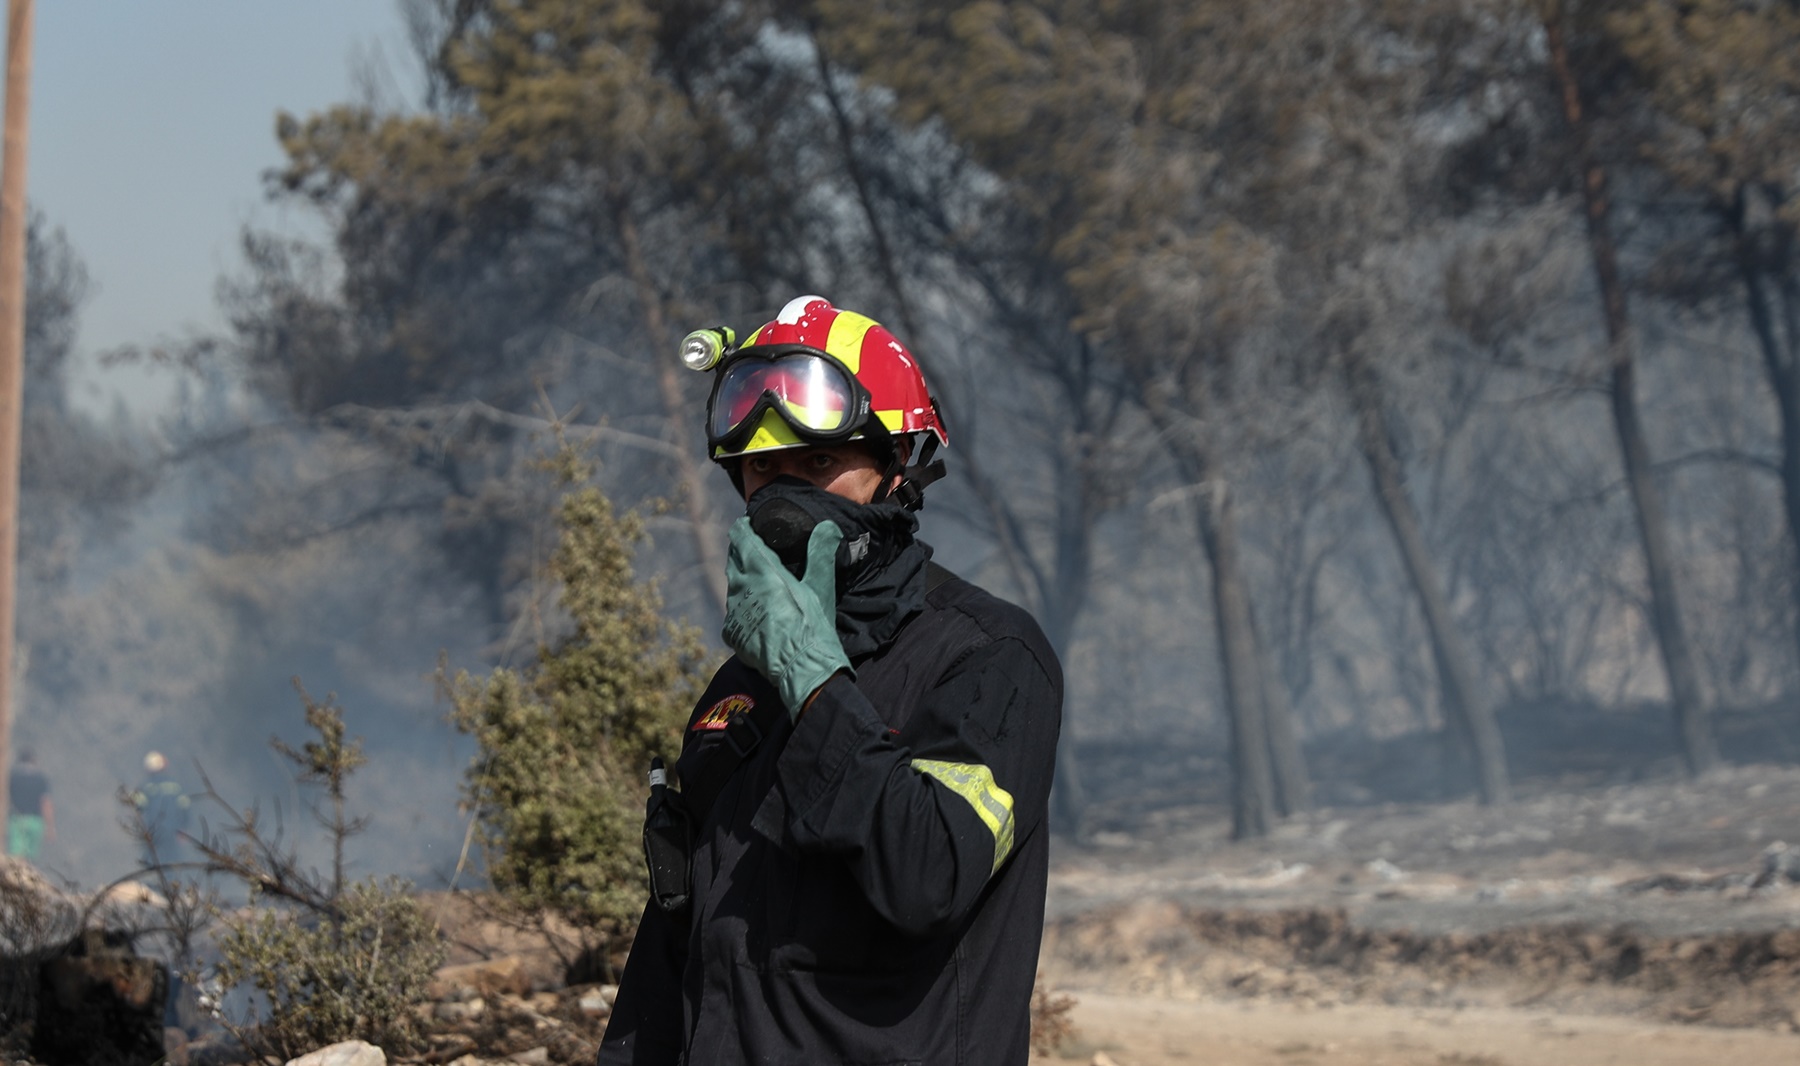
[(786, 629)]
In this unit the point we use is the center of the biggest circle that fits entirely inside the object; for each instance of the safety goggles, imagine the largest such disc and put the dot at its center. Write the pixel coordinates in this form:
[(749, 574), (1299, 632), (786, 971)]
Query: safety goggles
[(811, 391)]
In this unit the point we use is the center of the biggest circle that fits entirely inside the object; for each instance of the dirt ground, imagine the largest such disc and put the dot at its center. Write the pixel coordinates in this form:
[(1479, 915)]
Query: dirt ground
[(1650, 921), (1156, 1031)]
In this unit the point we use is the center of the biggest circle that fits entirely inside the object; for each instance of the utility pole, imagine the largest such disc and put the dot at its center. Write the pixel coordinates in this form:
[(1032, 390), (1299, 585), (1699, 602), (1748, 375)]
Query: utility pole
[(12, 348)]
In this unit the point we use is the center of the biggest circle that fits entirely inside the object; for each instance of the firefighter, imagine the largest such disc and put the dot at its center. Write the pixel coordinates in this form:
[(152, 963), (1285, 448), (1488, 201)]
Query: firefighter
[(163, 804), (863, 785)]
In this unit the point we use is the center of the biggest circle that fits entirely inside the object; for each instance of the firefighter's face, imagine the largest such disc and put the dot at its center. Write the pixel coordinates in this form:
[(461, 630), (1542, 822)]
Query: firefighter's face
[(846, 470)]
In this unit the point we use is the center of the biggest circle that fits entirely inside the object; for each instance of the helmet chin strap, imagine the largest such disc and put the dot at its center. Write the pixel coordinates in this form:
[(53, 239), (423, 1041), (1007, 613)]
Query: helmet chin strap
[(910, 492)]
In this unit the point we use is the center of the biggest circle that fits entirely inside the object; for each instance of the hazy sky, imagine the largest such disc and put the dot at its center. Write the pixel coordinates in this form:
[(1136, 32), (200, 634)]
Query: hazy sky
[(152, 122)]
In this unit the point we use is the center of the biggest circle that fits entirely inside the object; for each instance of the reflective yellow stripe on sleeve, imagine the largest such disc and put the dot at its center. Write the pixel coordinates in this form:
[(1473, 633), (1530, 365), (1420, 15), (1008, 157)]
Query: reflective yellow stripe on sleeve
[(975, 783)]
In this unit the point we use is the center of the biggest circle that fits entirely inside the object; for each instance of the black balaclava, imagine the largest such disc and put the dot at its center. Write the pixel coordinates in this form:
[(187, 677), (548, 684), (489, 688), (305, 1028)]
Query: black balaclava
[(880, 564)]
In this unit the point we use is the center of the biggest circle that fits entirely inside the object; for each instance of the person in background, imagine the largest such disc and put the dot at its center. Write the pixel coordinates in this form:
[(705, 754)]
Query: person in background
[(31, 821), (163, 804)]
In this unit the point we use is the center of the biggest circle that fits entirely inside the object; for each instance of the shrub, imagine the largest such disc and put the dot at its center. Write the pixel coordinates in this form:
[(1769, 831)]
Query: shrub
[(357, 972), (329, 960), (1052, 1024), (565, 742)]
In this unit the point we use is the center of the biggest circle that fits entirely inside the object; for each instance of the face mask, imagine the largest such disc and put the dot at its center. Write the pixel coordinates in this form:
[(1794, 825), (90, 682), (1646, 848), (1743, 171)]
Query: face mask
[(785, 511), (880, 564)]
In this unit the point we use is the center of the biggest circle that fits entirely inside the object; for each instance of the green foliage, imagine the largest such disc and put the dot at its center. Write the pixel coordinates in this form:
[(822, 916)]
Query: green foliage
[(327, 762), (330, 760), (355, 974), (329, 961), (565, 741)]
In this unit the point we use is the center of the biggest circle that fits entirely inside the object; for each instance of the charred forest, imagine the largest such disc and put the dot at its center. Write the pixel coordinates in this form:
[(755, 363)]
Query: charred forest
[(1373, 402)]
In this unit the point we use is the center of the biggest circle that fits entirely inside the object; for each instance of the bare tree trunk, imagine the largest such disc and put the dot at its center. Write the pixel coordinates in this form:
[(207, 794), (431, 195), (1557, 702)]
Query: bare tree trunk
[(1695, 734), (1068, 801), (12, 350), (682, 422), (1292, 788), (1781, 359), (1253, 806), (1253, 778), (1066, 598), (1787, 387), (1466, 706)]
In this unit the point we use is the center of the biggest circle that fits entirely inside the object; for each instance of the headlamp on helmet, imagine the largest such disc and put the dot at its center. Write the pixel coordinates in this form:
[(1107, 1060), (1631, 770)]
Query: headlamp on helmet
[(704, 349)]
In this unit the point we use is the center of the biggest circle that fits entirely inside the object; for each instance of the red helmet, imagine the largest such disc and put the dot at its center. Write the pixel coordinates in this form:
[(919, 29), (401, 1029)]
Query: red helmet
[(816, 375), (805, 400)]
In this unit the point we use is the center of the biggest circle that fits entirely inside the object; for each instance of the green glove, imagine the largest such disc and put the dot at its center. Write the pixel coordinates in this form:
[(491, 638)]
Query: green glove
[(786, 629)]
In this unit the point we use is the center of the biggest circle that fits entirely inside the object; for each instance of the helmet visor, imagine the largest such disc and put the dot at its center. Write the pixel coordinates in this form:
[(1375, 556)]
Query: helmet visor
[(815, 394)]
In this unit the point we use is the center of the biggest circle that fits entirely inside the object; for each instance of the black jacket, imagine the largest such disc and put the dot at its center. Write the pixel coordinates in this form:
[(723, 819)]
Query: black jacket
[(868, 885)]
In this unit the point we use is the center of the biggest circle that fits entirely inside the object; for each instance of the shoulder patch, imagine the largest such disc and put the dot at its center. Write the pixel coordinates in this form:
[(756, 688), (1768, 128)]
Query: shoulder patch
[(719, 715)]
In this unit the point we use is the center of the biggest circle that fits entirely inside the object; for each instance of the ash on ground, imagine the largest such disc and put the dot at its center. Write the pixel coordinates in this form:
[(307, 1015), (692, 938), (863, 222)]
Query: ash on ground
[(1678, 899)]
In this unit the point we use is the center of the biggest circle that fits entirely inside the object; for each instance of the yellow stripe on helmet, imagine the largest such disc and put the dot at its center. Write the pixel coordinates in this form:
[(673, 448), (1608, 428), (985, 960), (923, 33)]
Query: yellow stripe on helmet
[(846, 338), (975, 784)]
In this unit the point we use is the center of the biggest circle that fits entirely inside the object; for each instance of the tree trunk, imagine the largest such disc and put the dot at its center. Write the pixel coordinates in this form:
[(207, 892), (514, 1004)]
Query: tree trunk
[(1781, 360), (1470, 715), (1253, 800), (1253, 778), (1066, 599), (1697, 741), (1695, 735), (683, 423), (1285, 757), (1068, 800)]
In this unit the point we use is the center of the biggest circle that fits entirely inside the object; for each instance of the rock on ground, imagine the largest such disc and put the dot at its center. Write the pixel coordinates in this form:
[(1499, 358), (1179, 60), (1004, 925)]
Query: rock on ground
[(488, 977), (348, 1053)]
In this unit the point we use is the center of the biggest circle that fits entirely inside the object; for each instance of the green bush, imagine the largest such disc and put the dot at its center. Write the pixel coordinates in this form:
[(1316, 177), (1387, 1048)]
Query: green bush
[(558, 786), (329, 960), (357, 973)]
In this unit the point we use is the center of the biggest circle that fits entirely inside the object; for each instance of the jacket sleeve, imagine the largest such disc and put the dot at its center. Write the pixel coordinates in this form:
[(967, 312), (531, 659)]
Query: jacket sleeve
[(645, 1028), (924, 826)]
